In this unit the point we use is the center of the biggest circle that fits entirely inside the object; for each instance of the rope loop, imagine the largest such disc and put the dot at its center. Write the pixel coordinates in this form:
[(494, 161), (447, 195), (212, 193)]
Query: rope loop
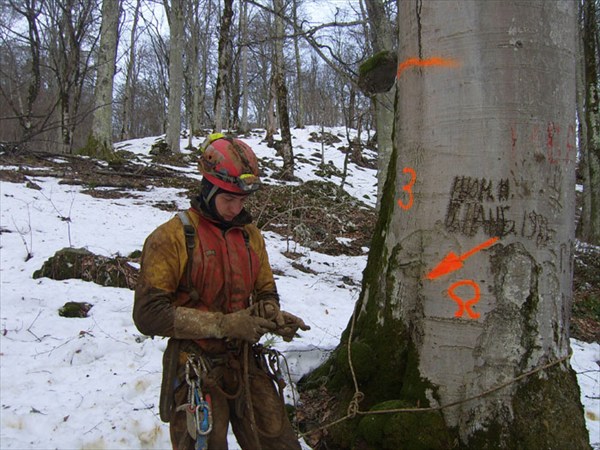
[(353, 408)]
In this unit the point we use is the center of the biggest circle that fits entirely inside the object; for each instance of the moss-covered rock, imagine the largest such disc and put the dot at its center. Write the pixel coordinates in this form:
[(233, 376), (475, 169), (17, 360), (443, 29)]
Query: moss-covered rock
[(75, 309), (82, 264)]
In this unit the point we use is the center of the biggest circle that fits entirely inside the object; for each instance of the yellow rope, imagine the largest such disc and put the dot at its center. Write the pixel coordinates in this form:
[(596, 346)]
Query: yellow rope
[(354, 409)]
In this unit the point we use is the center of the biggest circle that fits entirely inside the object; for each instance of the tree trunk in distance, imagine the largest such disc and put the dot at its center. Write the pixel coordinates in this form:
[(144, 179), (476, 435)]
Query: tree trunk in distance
[(224, 63), (299, 85), (176, 46), (466, 296), (128, 90), (244, 128), (101, 138), (382, 39), (281, 93), (590, 216)]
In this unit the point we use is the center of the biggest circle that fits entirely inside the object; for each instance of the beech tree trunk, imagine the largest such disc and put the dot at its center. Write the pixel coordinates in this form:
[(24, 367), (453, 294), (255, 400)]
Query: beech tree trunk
[(466, 296), (101, 138), (176, 46)]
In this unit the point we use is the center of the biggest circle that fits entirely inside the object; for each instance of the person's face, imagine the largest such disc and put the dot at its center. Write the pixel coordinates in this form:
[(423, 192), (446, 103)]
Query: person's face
[(229, 205)]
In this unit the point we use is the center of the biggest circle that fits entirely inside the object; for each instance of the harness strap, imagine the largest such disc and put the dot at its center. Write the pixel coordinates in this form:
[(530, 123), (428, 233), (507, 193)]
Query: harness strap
[(190, 233)]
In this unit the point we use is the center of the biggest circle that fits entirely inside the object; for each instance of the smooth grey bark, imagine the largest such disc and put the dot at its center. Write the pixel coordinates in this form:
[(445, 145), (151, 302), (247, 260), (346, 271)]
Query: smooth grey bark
[(503, 119), (101, 137), (483, 168)]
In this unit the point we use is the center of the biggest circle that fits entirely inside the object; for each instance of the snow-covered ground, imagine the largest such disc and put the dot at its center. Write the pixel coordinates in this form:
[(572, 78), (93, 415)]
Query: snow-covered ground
[(93, 383)]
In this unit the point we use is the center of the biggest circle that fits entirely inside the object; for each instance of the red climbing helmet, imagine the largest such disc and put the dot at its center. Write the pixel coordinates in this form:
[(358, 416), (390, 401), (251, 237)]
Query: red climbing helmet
[(229, 164)]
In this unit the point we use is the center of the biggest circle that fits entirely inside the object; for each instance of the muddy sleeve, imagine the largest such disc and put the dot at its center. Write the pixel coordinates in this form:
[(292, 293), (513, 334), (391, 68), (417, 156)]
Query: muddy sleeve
[(163, 261)]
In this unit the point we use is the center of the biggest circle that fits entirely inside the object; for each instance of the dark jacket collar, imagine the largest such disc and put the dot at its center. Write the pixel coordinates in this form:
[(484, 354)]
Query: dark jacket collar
[(210, 213)]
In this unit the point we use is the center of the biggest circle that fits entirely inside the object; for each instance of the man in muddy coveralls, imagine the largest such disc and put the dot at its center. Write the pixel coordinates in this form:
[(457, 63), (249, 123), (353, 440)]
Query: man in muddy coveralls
[(207, 284)]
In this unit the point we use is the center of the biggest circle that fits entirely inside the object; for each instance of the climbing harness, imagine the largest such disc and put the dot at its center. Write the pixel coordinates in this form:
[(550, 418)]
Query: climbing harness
[(198, 409)]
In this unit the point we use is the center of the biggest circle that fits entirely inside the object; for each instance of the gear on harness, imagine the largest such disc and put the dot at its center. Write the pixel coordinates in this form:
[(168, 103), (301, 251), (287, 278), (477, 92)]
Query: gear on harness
[(269, 360), (198, 408)]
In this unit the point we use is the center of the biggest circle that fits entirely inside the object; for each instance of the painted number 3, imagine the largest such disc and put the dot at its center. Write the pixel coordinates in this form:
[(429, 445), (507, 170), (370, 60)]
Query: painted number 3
[(408, 189)]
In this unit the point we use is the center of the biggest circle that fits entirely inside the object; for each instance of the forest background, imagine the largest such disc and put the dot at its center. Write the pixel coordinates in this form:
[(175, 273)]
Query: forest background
[(76, 75)]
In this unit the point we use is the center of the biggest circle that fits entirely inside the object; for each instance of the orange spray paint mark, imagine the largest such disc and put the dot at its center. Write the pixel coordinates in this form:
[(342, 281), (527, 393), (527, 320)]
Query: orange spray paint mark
[(465, 306), (408, 189), (452, 261), (418, 62)]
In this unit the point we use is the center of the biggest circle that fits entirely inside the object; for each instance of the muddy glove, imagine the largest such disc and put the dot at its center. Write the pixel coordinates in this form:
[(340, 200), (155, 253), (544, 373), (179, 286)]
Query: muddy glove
[(290, 326), (195, 324), (243, 325)]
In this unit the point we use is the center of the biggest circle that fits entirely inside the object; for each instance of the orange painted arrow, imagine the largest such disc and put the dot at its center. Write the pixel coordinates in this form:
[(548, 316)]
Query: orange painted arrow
[(454, 262)]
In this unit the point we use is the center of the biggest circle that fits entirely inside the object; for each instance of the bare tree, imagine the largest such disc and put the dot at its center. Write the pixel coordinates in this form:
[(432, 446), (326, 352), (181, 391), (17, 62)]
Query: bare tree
[(46, 68), (224, 62), (130, 77), (175, 13), (460, 334), (285, 145), (100, 141), (298, 60), (22, 104), (192, 70), (244, 66), (589, 226)]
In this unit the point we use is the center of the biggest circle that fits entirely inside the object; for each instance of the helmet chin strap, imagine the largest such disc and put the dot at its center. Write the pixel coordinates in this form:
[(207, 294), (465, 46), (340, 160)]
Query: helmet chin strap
[(212, 208), (211, 194)]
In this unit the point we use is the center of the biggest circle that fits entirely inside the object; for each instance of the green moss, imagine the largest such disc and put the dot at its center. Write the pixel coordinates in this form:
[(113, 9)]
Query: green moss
[(135, 254), (405, 430), (375, 61), (364, 361), (547, 414), (414, 386), (94, 149)]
